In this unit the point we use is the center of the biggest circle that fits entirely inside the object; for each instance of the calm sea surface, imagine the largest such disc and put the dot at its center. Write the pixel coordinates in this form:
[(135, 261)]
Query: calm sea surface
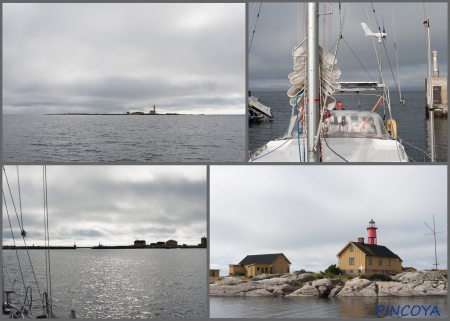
[(182, 138), (144, 283), (412, 125), (312, 307)]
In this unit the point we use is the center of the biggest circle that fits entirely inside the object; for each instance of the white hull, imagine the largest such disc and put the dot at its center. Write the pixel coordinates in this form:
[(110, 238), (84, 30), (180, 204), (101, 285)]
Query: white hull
[(350, 149)]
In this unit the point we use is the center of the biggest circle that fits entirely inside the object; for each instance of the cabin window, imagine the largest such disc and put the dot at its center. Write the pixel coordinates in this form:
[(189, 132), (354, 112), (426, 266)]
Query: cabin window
[(351, 261), (351, 248), (257, 269), (380, 262), (389, 262), (370, 261), (351, 271)]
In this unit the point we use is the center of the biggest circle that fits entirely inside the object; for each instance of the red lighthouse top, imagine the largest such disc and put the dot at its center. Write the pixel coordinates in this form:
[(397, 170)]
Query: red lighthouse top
[(372, 233)]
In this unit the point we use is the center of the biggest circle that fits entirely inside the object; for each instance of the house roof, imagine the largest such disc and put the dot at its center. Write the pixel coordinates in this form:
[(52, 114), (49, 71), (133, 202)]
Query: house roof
[(261, 258), (372, 250)]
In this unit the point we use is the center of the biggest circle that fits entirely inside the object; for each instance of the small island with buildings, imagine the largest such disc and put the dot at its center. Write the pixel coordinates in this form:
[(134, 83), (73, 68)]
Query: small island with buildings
[(364, 269), (151, 112)]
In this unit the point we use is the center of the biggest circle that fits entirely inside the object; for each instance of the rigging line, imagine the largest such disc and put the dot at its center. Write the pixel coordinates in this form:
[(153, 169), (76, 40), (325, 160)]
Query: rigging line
[(10, 193), (7, 274), (373, 40), (404, 141), (12, 235), (256, 23), (254, 6), (358, 59), (45, 235), (48, 238), (333, 150), (274, 149), (396, 59), (20, 201)]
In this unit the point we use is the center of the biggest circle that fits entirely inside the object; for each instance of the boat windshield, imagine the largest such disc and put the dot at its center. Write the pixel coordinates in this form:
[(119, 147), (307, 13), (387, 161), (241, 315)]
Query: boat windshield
[(349, 123), (355, 123)]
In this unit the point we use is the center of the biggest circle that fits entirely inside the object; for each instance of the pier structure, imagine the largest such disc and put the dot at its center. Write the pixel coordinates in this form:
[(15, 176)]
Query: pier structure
[(439, 85)]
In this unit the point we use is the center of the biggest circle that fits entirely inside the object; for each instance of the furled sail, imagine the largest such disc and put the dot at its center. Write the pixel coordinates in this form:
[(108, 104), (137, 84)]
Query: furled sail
[(327, 73)]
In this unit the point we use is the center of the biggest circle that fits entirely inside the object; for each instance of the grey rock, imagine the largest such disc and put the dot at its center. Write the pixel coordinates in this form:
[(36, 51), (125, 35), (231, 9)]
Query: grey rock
[(307, 290), (230, 281), (397, 289), (357, 282), (262, 277), (323, 282), (323, 291), (259, 292), (335, 291)]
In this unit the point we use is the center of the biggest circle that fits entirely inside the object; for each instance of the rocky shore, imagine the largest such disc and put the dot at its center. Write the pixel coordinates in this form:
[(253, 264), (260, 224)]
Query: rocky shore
[(424, 283)]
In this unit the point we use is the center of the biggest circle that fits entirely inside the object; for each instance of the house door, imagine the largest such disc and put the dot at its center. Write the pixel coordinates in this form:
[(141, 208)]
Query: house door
[(251, 271), (212, 273)]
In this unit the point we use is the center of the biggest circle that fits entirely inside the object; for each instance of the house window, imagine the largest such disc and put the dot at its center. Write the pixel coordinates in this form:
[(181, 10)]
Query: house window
[(351, 271), (370, 261), (389, 262), (380, 262), (351, 248), (351, 261), (257, 269)]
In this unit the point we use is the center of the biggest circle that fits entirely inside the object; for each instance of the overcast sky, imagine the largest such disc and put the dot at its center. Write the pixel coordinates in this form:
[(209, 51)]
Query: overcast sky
[(105, 58), (310, 213), (114, 205), (270, 59)]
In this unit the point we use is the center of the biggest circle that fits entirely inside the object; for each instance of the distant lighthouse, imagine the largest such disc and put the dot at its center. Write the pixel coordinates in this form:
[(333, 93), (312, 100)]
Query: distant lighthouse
[(372, 233)]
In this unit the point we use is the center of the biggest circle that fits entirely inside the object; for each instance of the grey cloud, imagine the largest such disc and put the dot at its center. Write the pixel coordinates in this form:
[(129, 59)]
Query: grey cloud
[(110, 57)]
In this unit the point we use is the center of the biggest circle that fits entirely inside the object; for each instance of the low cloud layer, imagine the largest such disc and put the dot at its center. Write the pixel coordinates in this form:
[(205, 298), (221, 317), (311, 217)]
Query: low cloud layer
[(278, 29), (113, 205), (113, 58)]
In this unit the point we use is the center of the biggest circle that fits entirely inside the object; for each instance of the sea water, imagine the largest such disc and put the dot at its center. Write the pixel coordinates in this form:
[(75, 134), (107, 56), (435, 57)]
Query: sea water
[(313, 307), (412, 125), (136, 283), (124, 138)]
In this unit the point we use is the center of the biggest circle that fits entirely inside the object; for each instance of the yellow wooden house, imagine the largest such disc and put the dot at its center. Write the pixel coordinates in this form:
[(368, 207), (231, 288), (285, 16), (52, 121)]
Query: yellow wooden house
[(253, 265), (360, 257), (214, 273)]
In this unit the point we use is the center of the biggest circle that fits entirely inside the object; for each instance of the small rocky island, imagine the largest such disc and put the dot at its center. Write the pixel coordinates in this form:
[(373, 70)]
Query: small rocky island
[(405, 284)]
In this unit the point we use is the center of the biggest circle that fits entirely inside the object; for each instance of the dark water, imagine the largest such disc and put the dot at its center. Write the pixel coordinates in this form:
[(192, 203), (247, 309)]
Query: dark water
[(412, 125), (146, 283), (182, 138), (312, 307)]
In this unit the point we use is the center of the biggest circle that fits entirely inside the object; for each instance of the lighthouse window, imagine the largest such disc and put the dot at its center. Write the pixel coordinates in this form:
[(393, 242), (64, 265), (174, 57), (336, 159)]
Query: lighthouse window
[(389, 262), (351, 248), (380, 262), (351, 261), (370, 261)]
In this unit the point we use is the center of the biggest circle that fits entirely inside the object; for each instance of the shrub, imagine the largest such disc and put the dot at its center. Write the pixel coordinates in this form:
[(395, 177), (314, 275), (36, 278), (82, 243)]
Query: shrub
[(377, 277), (299, 272), (333, 269)]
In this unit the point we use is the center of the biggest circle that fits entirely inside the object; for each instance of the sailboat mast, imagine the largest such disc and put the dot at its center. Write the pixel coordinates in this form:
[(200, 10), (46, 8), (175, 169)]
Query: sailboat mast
[(312, 106), (430, 88)]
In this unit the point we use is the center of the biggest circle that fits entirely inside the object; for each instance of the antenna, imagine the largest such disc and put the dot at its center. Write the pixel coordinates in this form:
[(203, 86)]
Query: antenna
[(434, 233)]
